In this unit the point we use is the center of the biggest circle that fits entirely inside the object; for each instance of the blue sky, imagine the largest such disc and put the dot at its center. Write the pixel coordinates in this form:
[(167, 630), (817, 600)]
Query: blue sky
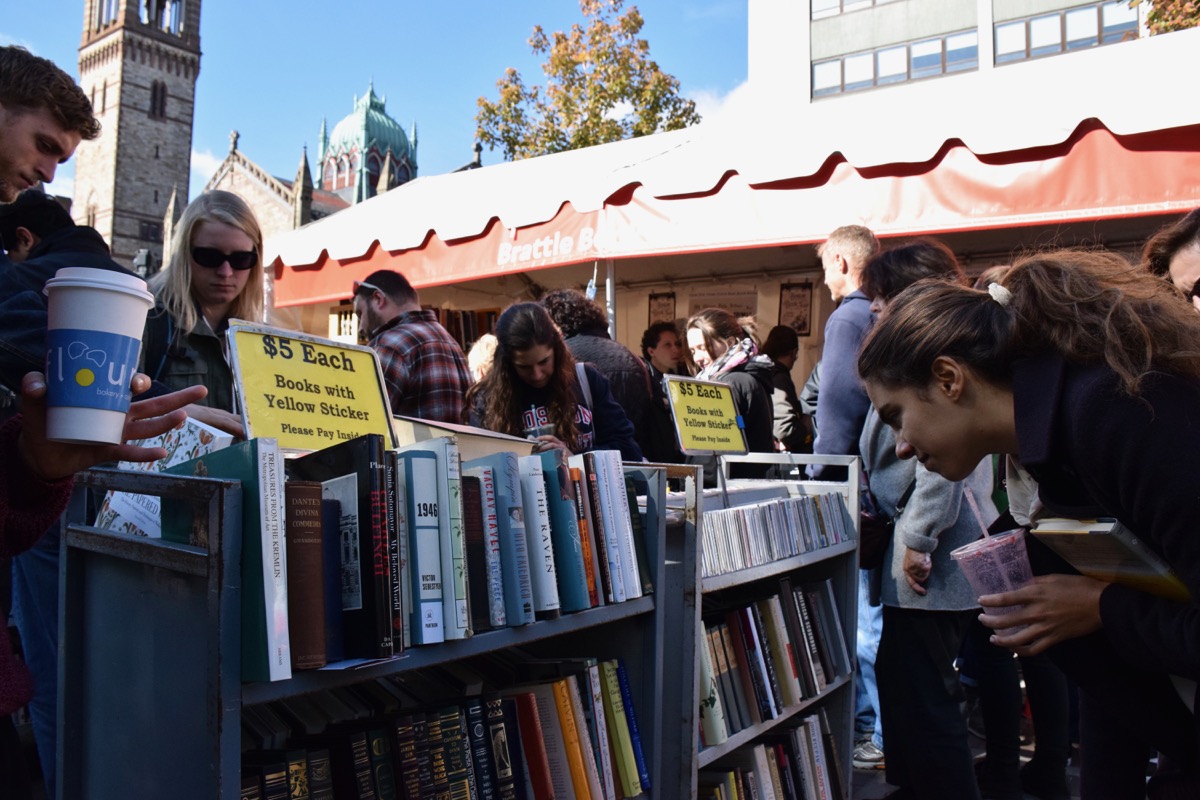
[(273, 69)]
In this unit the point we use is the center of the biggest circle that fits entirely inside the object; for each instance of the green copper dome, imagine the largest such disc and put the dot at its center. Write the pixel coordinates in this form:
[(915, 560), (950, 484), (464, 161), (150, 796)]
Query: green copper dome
[(369, 127)]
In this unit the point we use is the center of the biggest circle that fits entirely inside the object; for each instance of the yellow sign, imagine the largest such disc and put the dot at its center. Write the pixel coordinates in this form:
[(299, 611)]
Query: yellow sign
[(706, 420), (307, 392)]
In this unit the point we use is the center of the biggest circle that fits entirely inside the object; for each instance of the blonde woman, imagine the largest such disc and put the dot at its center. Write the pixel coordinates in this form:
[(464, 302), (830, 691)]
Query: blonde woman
[(215, 274)]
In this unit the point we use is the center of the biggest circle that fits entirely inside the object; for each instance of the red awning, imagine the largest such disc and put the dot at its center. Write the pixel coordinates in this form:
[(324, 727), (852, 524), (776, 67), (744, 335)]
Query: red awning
[(1093, 175)]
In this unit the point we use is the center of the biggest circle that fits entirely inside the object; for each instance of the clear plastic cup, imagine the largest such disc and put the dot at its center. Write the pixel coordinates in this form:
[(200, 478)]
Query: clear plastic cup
[(93, 338), (996, 564)]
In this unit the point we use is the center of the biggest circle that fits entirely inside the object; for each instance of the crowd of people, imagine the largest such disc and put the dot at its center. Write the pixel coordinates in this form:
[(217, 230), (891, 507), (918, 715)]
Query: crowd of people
[(1070, 378)]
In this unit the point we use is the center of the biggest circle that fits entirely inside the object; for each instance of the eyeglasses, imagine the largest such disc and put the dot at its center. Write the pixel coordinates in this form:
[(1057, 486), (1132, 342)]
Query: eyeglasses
[(212, 258), (364, 285)]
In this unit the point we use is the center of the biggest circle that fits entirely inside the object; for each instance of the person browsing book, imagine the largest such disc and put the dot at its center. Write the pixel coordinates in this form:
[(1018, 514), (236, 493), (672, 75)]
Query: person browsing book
[(1087, 369), (214, 274), (928, 606), (536, 389)]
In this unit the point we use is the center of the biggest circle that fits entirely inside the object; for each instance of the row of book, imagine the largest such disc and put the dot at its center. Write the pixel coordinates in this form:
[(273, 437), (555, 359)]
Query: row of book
[(760, 533), (357, 551), (570, 732), (800, 763), (758, 660)]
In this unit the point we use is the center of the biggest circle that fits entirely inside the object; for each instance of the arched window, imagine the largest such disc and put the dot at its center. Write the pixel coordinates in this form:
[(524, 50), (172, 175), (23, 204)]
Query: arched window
[(343, 173), (329, 176)]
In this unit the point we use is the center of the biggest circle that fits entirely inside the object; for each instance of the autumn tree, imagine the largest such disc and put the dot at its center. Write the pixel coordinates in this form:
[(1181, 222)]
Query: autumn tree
[(1165, 16), (601, 86)]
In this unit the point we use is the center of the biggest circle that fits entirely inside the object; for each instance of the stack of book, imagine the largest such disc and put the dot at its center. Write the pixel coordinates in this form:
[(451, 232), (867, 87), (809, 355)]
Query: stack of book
[(357, 551), (567, 729), (797, 764), (759, 660), (761, 533)]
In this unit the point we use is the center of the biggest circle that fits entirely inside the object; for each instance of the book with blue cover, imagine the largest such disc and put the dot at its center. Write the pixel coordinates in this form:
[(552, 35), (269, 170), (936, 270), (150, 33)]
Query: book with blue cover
[(510, 517)]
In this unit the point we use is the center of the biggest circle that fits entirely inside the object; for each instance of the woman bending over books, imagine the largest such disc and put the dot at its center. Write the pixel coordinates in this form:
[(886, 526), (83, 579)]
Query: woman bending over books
[(1087, 370), (36, 482), (535, 389)]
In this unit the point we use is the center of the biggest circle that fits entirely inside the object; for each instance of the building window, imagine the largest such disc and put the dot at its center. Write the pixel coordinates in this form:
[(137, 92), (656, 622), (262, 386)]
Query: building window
[(104, 97), (831, 8), (926, 58), (150, 231), (106, 13), (158, 101), (1062, 31), (89, 218)]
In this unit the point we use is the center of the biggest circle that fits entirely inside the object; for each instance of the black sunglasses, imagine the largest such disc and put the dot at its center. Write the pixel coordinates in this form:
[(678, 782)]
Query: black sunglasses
[(212, 258)]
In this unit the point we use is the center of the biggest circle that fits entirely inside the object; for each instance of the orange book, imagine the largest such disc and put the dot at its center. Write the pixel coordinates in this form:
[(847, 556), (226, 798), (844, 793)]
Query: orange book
[(585, 535)]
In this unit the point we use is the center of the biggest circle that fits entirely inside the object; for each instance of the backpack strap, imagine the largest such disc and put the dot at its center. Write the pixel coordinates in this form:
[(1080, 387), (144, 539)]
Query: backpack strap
[(581, 373)]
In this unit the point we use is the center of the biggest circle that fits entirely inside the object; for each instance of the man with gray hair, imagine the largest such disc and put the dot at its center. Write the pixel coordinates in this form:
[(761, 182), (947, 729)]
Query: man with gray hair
[(842, 406)]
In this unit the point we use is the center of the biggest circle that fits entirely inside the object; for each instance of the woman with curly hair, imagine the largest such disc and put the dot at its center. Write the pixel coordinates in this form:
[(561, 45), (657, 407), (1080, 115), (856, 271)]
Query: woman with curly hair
[(1087, 370), (534, 384)]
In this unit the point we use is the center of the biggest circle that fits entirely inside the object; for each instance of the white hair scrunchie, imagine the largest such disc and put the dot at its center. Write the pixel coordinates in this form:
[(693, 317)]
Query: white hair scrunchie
[(1000, 294)]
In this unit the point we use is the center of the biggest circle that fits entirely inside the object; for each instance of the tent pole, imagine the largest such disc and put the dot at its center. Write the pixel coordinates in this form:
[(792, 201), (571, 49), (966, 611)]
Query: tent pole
[(610, 297)]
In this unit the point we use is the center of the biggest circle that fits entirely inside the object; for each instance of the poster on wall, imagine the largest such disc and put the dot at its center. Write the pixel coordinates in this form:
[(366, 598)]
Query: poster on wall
[(795, 307), (741, 301), (662, 308)]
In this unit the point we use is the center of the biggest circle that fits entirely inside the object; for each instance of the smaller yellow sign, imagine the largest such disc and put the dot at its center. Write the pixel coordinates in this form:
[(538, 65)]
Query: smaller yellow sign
[(307, 392), (706, 420)]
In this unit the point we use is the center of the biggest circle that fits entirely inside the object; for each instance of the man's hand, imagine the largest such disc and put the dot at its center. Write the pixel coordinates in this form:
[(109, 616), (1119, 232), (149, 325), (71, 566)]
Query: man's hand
[(917, 568), (55, 460)]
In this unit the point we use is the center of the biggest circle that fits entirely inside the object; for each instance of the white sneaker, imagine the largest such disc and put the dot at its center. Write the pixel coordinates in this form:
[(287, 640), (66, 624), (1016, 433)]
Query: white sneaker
[(867, 755)]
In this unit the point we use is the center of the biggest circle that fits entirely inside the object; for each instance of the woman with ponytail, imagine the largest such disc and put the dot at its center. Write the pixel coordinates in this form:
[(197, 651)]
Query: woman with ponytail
[(1086, 370)]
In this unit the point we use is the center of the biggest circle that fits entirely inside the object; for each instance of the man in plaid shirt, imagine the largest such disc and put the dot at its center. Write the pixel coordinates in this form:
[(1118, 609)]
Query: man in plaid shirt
[(424, 368)]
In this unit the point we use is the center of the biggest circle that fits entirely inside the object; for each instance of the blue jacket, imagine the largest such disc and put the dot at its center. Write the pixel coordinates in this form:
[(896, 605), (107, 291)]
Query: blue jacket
[(842, 403)]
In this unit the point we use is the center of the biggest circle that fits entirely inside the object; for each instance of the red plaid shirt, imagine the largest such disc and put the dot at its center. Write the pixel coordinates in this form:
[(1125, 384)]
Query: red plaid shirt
[(424, 368)]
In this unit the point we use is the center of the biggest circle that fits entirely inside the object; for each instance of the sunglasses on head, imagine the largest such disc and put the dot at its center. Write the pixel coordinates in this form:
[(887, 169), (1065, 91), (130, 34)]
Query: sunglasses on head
[(212, 258), (364, 285)]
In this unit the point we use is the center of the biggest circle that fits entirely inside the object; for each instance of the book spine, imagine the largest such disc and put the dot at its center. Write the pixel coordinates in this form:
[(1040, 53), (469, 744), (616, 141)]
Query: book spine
[(606, 552), (533, 746), (519, 765), (407, 766), (573, 745), (320, 775), (564, 532), (614, 708), (395, 526), (473, 541), (623, 519), (810, 639), (538, 541), (381, 559), (795, 629), (518, 592), (458, 754), (733, 720), (552, 737), (423, 526), (787, 666), (456, 619), (331, 541), (440, 783), (640, 535), (279, 649), (820, 765), (600, 734), (305, 574), (713, 729), (824, 646), (765, 638), (297, 775), (382, 774), (833, 762), (481, 754), (497, 614), (753, 681), (635, 737), (587, 541)]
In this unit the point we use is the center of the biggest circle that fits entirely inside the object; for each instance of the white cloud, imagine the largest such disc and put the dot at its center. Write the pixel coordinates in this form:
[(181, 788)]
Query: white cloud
[(712, 105), (620, 111), (204, 166)]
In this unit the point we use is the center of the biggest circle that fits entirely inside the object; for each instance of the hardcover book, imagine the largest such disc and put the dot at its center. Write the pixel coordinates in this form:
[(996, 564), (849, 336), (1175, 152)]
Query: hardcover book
[(417, 475), (538, 540), (486, 550), (514, 553), (305, 573), (258, 464), (564, 531), (1108, 551), (366, 573)]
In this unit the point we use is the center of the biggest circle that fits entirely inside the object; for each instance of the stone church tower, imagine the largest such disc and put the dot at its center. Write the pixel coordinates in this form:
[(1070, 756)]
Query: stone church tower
[(138, 62)]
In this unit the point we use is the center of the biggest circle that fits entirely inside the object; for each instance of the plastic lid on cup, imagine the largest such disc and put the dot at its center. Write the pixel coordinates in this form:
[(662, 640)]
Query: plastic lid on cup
[(110, 279)]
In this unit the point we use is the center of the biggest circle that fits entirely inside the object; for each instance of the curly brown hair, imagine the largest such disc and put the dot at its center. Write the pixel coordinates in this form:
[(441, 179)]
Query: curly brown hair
[(1090, 306), (521, 327), (31, 82), (574, 314), (1162, 246)]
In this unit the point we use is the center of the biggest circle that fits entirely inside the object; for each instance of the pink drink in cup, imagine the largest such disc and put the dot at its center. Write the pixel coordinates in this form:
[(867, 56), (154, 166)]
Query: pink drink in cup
[(996, 564), (93, 337)]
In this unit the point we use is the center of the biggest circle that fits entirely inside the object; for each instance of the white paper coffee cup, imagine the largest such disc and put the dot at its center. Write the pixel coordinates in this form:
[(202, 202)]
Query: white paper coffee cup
[(93, 340)]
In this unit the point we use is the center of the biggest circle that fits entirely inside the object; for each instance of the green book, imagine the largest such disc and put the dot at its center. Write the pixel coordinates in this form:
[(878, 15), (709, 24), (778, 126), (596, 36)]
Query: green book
[(258, 464)]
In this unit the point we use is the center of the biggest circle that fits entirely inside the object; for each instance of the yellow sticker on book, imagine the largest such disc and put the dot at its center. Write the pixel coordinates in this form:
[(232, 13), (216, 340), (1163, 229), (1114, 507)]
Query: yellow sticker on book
[(706, 419), (305, 391)]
